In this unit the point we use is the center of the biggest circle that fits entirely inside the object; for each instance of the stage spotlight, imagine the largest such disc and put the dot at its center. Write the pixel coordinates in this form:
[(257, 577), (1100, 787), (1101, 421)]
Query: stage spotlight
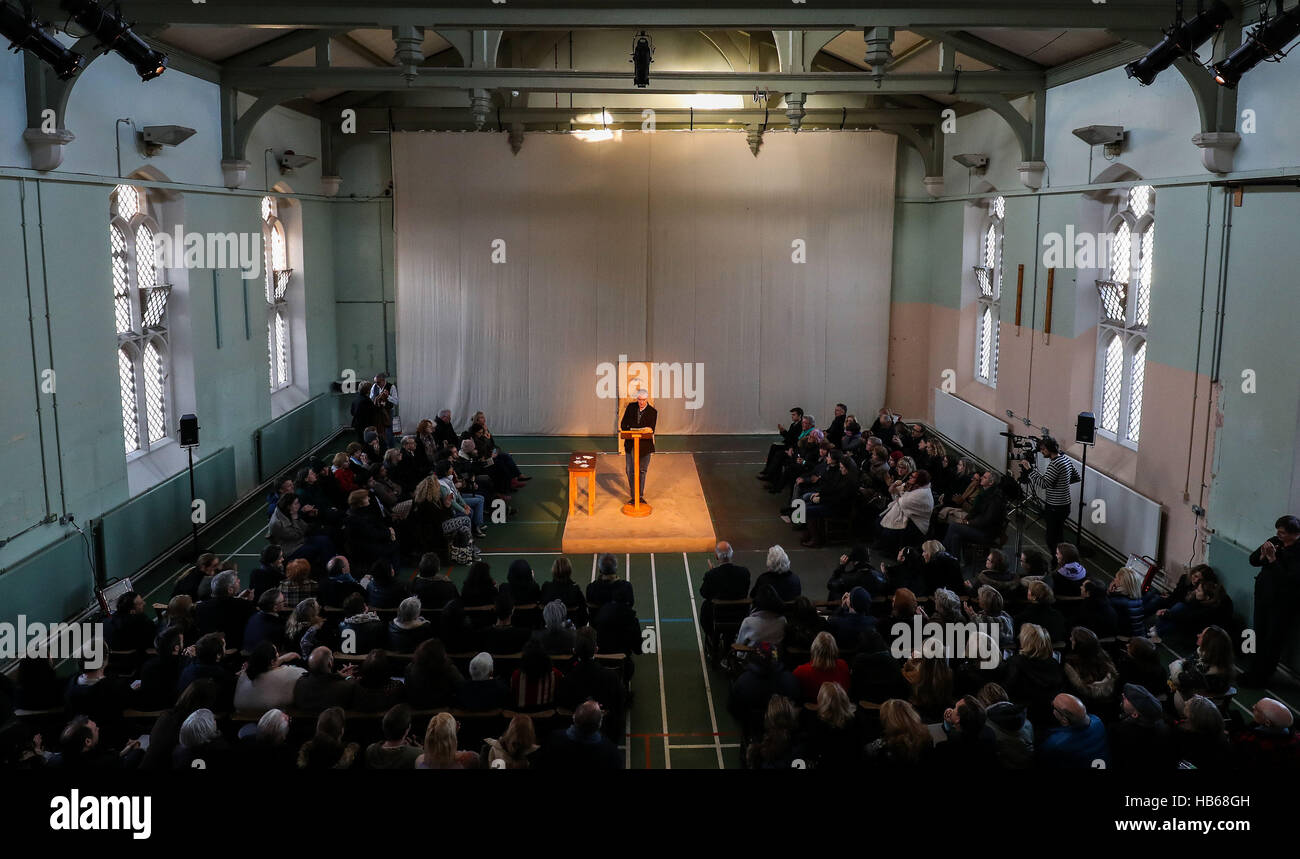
[(642, 56), (1265, 42), (112, 31), (1180, 40), (25, 33)]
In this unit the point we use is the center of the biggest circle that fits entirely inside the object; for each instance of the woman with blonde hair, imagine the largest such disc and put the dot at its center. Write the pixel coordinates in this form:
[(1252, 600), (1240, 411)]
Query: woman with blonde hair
[(305, 627), (823, 666), (1034, 677), (904, 740), (990, 611), (516, 746), (834, 738), (1126, 597), (440, 752)]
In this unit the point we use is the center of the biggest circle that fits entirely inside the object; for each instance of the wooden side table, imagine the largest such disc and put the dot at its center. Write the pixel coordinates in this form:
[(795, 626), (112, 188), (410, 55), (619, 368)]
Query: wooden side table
[(580, 463)]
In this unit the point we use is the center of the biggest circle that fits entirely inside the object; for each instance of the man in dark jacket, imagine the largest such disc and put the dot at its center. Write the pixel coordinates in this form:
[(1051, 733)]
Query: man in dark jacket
[(444, 434), (852, 619), (835, 432), (776, 452), (1078, 741), (971, 745), (434, 588), (266, 624), (723, 581), (1269, 743), (639, 415), (320, 688), (130, 628), (483, 691), (269, 573), (581, 746), (763, 677), (1139, 738), (228, 610), (589, 680), (1277, 598), (988, 514)]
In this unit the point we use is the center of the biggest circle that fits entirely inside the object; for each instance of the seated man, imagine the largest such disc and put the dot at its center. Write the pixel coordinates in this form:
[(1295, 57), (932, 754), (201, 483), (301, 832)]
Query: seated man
[(1077, 740), (1269, 743), (988, 515), (129, 628), (581, 746), (723, 581), (321, 688), (228, 611), (789, 437)]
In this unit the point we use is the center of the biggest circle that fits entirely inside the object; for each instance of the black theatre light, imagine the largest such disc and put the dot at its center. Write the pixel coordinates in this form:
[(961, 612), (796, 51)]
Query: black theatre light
[(109, 28), (1179, 41), (642, 56), (1265, 42), (25, 33)]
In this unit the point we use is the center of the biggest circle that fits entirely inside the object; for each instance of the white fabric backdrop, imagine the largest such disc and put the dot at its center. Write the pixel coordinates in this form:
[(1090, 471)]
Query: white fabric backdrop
[(669, 247)]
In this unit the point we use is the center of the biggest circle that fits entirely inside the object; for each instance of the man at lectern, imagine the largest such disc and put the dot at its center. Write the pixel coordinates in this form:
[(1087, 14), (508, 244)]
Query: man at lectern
[(639, 415)]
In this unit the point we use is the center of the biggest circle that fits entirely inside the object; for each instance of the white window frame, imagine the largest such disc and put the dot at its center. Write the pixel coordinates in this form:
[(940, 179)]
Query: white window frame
[(994, 219), (1131, 331), (135, 340), (276, 287)]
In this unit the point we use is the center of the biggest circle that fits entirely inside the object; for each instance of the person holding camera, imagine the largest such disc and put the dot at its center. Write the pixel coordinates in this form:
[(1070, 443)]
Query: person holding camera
[(1054, 482)]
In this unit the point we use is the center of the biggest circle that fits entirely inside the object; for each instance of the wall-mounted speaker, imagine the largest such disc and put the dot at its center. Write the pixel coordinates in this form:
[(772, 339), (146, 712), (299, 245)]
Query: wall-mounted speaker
[(1085, 431), (189, 431)]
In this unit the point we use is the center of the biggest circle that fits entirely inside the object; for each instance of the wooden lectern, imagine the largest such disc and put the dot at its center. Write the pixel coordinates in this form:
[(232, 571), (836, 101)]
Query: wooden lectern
[(636, 508)]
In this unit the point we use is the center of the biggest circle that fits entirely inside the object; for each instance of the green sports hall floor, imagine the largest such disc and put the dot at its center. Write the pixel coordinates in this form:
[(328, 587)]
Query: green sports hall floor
[(679, 717)]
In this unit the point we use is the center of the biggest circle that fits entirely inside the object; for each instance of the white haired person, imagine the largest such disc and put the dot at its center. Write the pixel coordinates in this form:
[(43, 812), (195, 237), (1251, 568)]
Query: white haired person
[(639, 415), (779, 575)]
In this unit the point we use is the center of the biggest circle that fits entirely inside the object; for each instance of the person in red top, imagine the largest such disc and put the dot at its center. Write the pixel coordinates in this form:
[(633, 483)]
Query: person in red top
[(823, 666)]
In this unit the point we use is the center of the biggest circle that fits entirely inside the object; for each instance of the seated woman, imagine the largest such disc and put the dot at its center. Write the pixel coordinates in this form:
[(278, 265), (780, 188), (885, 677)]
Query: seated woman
[(927, 570), (558, 636), (766, 621), (1207, 604), (823, 666), (996, 574), (479, 588), (855, 571), (1095, 611), (1040, 611), (370, 538), (408, 629), (431, 678), (1033, 676), (440, 751), (562, 587), (390, 494), (1069, 575), (804, 625), (832, 736), (361, 626), (905, 742), (521, 583), (484, 440), (516, 747), (384, 590), (779, 575), (833, 499), (267, 681), (293, 534), (1091, 674), (297, 584), (1126, 596), (1215, 660), (376, 688), (931, 682), (958, 502), (990, 611), (907, 519), (534, 683), (308, 629), (777, 747)]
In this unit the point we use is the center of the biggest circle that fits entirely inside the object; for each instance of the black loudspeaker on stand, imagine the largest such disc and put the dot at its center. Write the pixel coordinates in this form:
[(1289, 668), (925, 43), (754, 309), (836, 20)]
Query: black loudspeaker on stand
[(1085, 433), (189, 438)]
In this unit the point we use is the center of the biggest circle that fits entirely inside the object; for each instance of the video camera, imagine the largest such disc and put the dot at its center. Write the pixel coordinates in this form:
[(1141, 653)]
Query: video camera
[(1027, 445)]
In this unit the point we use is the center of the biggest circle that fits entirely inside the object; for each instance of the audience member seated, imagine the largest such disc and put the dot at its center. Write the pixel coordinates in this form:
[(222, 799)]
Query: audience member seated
[(971, 745), (1034, 677), (1140, 741), (777, 747), (852, 619), (206, 665), (385, 591), (996, 574), (339, 584), (562, 587), (202, 744), (479, 588), (1126, 596), (458, 635), (832, 736), (1076, 740), (155, 685), (762, 678), (989, 611), (1090, 674), (608, 584), (431, 679), (522, 584), (1140, 664), (268, 680), (308, 629), (557, 634), (227, 611), (432, 584), (266, 748), (1095, 610), (1012, 731), (370, 538), (803, 625), (515, 749), (581, 747), (91, 693), (904, 742), (618, 630), (1040, 611), (321, 687), (297, 584), (931, 682), (906, 521), (362, 629), (1201, 739), (408, 629), (766, 621), (293, 533), (398, 749), (503, 637), (588, 679), (266, 624), (326, 750), (779, 576), (196, 583), (1269, 742), (129, 628), (1205, 604), (984, 523), (534, 683), (723, 581), (823, 666), (1069, 575), (1215, 659), (377, 689), (483, 691), (855, 571)]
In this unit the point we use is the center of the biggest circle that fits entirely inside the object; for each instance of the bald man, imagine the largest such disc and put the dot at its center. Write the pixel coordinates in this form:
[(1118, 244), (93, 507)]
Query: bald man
[(1269, 743), (1078, 741), (321, 688), (581, 746), (723, 581)]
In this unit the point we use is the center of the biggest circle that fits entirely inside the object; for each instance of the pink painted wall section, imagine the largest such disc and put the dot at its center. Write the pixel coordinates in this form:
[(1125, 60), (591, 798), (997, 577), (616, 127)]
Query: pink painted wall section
[(1051, 382)]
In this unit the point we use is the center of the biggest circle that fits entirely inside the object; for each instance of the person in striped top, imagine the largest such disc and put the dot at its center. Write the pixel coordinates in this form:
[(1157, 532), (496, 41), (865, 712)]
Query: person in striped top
[(1054, 483)]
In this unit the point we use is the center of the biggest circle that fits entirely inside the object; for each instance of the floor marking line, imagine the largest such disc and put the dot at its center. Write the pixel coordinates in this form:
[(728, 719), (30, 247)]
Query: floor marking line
[(659, 657), (704, 668)]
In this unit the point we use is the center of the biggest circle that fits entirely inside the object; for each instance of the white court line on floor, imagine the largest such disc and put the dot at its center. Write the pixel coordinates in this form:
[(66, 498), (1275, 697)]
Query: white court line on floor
[(514, 554), (593, 567), (659, 657), (703, 746), (704, 668)]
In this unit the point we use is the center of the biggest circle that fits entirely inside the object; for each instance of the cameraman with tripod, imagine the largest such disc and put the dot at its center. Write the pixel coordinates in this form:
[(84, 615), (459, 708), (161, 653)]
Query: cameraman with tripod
[(1054, 482)]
